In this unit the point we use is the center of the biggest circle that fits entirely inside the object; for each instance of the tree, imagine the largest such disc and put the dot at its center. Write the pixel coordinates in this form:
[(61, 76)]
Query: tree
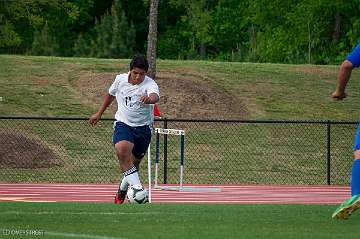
[(123, 33), (82, 46), (103, 39), (44, 43), (233, 38), (152, 38), (21, 21), (9, 37), (111, 37), (283, 31)]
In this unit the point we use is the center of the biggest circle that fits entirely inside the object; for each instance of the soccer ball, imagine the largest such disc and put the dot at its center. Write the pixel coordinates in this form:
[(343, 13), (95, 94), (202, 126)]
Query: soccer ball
[(137, 194)]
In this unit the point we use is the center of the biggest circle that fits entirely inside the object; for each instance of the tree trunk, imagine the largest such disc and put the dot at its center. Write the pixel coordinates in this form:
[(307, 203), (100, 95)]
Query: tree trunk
[(152, 38), (252, 43), (336, 34), (309, 42), (203, 51)]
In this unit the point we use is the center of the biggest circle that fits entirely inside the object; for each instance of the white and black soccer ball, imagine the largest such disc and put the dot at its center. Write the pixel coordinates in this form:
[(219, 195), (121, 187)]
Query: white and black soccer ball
[(137, 194)]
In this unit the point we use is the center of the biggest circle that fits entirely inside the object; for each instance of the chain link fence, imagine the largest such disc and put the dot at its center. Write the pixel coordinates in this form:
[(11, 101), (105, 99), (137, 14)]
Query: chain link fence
[(216, 151)]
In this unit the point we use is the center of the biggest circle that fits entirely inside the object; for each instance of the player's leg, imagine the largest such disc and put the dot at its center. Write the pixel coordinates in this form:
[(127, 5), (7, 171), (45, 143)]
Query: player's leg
[(345, 70), (352, 204), (124, 185), (124, 143), (123, 151), (142, 138), (136, 162)]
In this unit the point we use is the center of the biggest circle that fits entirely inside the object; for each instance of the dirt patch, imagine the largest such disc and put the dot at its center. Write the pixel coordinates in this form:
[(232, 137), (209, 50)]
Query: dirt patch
[(19, 151), (186, 98), (93, 87), (325, 72), (182, 96)]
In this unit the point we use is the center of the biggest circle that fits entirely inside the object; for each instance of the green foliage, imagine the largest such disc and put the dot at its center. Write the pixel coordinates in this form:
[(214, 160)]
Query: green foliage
[(44, 43), (103, 36), (123, 34), (83, 46), (231, 33), (9, 38), (25, 22), (284, 31), (112, 37)]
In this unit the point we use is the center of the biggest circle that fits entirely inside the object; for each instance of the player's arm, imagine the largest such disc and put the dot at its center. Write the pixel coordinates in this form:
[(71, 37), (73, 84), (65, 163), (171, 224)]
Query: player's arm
[(106, 102), (343, 78), (152, 98)]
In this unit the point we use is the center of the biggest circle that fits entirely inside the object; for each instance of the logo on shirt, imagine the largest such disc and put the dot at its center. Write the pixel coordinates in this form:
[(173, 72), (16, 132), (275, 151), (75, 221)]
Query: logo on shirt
[(133, 102)]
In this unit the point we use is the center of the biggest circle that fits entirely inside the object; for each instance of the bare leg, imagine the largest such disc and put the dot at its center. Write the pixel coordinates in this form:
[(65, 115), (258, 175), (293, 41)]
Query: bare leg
[(343, 78), (124, 152)]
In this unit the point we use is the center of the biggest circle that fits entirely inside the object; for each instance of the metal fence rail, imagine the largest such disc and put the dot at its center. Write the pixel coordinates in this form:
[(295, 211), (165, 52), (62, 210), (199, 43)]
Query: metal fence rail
[(41, 149)]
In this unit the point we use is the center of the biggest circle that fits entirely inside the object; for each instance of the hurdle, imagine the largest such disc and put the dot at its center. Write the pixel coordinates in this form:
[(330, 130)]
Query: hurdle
[(181, 133), (149, 172), (159, 131), (181, 187)]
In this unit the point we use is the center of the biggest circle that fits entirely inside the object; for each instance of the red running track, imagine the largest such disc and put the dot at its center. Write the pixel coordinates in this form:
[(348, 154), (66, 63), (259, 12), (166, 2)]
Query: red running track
[(228, 194)]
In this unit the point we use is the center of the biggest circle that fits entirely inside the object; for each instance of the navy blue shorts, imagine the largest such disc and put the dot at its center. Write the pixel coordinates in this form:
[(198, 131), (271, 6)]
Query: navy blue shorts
[(140, 136), (354, 56)]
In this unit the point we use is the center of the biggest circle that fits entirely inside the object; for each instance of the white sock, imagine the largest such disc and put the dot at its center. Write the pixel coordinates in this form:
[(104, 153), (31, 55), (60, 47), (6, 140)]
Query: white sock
[(123, 184), (131, 176)]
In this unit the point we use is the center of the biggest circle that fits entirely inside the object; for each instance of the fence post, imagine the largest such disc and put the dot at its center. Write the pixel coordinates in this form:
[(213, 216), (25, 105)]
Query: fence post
[(328, 124), (165, 152)]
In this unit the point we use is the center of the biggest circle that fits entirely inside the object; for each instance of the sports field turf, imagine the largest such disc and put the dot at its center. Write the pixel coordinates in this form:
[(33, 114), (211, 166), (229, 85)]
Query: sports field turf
[(105, 221)]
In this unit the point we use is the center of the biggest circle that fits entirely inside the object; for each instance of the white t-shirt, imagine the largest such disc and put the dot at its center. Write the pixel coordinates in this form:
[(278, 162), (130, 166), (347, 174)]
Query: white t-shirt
[(130, 111)]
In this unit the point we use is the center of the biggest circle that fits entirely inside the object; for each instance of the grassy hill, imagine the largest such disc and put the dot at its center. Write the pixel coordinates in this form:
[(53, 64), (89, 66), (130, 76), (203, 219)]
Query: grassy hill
[(74, 152), (53, 86)]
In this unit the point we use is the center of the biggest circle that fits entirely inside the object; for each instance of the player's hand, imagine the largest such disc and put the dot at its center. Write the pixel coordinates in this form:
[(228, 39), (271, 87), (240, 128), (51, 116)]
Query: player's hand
[(145, 99), (337, 95), (94, 119)]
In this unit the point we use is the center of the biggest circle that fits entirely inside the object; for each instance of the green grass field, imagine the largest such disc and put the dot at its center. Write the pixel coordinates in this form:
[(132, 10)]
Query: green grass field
[(103, 220)]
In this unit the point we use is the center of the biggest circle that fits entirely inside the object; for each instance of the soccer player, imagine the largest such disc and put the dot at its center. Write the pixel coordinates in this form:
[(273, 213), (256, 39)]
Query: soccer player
[(353, 203), (135, 94)]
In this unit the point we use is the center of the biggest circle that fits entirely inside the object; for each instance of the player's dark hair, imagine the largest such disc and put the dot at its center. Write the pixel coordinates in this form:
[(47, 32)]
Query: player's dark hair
[(139, 61)]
